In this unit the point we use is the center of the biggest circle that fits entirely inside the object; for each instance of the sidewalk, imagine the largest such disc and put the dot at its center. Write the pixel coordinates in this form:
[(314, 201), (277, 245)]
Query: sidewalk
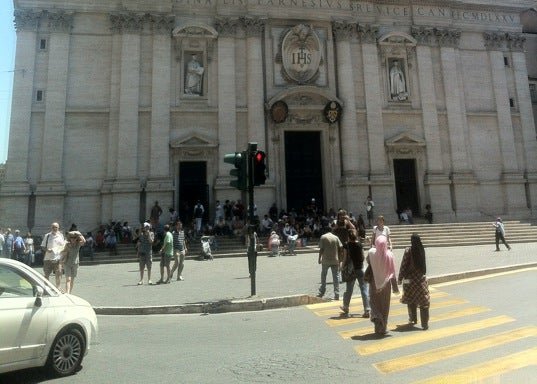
[(294, 280)]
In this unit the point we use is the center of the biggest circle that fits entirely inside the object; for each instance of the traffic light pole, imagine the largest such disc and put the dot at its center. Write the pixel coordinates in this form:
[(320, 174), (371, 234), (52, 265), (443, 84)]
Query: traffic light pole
[(252, 254)]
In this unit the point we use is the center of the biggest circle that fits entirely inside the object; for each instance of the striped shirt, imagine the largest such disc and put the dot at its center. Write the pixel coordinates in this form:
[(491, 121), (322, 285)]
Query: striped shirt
[(178, 241)]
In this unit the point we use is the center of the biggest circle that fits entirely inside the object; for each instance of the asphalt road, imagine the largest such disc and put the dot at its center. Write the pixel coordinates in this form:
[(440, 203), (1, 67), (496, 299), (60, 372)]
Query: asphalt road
[(479, 326)]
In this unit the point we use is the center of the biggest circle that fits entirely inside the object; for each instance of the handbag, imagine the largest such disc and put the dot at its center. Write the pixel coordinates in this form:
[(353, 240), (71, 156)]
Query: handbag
[(347, 271), (368, 274)]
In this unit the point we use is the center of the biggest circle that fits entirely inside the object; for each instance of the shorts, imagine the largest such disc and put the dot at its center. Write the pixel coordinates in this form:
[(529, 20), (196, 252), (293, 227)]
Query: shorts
[(145, 260), (165, 260), (70, 270), (50, 266)]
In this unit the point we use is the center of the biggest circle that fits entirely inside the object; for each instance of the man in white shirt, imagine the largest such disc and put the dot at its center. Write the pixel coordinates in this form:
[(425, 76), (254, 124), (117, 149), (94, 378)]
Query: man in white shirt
[(53, 244)]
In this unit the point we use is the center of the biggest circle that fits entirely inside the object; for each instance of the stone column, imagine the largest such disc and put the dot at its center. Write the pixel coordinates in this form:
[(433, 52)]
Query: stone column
[(516, 43), (125, 187), (160, 105), (227, 109), (15, 189), (254, 28), (354, 187), (464, 192), (60, 25), (436, 179), (380, 180), (511, 178), (26, 23)]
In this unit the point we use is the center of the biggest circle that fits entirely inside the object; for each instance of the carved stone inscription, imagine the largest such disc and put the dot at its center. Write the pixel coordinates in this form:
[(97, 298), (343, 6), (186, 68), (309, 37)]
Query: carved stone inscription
[(301, 54)]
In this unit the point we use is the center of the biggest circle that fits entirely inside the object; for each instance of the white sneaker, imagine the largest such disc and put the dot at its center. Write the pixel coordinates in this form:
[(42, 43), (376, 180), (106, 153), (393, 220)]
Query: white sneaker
[(149, 282), (181, 278)]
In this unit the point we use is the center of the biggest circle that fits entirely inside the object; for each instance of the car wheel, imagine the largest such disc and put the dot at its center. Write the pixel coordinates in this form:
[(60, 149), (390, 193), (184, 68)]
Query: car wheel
[(66, 352)]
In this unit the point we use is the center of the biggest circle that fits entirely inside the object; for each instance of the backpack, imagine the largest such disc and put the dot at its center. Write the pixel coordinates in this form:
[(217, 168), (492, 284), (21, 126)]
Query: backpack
[(18, 244)]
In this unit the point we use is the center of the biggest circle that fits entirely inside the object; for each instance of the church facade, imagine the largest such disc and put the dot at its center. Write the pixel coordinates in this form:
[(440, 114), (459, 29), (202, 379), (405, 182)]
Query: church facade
[(119, 104)]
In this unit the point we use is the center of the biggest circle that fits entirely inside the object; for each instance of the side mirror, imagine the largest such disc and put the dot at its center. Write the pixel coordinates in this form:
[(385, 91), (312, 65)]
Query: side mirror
[(38, 295)]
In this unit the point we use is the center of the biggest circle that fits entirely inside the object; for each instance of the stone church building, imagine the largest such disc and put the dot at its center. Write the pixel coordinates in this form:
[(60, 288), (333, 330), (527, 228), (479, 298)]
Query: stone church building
[(118, 104)]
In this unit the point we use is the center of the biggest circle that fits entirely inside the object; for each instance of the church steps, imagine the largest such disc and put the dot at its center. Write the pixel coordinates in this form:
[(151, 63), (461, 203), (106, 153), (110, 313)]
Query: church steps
[(432, 235)]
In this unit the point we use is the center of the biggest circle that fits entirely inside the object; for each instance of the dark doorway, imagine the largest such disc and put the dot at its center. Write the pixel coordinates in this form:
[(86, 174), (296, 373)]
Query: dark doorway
[(192, 187), (406, 186), (303, 169)]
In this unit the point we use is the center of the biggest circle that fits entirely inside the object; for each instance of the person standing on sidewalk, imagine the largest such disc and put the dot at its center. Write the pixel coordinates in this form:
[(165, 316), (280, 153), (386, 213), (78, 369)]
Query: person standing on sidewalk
[(166, 254), (415, 287), (356, 255), (500, 234), (383, 281), (330, 248), (71, 258), (179, 250), (369, 205), (145, 252), (53, 244)]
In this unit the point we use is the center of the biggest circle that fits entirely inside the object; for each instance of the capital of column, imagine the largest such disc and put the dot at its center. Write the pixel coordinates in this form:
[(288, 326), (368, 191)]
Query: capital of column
[(343, 30), (253, 26), (368, 33), (59, 21), (424, 35), (516, 41), (127, 22), (448, 37), (226, 26), (162, 24), (27, 19)]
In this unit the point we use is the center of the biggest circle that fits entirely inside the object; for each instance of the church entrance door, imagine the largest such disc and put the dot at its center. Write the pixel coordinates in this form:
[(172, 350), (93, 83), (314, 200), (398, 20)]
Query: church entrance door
[(303, 171), (192, 187), (406, 186)]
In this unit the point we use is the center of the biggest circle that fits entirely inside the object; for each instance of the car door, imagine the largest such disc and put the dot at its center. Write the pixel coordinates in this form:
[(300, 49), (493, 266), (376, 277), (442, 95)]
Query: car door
[(23, 325)]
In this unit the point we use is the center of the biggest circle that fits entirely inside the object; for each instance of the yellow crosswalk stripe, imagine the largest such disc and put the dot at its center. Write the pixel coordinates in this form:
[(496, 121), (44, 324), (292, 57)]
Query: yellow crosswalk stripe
[(334, 310), (357, 300), (470, 346), (421, 337), (440, 317), (492, 368)]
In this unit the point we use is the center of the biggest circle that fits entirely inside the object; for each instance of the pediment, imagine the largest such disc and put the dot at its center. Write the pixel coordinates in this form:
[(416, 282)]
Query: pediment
[(405, 139), (397, 38), (193, 141), (197, 30)]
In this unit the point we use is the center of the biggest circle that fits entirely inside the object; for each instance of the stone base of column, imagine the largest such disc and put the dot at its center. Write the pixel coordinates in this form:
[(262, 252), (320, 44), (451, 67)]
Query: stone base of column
[(383, 194), (354, 191), (465, 196), (14, 188), (439, 197), (14, 212), (515, 195), (49, 209), (531, 188)]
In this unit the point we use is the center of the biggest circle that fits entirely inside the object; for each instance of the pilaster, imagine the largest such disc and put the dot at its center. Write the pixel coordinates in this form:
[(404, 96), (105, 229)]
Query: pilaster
[(227, 109), (254, 28), (161, 26)]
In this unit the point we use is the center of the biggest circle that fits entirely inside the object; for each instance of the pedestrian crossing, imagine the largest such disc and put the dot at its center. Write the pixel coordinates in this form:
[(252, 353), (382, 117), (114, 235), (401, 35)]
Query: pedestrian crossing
[(459, 332)]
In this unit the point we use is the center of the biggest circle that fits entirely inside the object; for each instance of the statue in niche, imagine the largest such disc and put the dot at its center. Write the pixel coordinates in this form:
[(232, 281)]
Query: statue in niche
[(398, 90), (194, 77)]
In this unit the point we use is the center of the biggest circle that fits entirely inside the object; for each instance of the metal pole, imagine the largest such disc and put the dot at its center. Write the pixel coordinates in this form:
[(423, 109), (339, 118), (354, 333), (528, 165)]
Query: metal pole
[(252, 255)]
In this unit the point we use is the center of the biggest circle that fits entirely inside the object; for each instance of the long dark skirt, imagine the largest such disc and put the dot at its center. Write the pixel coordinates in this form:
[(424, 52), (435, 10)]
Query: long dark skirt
[(380, 306)]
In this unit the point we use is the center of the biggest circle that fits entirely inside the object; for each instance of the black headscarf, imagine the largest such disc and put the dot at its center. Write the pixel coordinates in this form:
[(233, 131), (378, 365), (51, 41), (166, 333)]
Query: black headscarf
[(418, 253)]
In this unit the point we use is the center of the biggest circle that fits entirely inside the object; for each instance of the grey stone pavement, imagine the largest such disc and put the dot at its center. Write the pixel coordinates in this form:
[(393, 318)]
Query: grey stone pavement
[(223, 284)]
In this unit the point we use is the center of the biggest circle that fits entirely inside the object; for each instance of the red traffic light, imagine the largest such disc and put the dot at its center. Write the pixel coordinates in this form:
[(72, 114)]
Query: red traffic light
[(260, 157)]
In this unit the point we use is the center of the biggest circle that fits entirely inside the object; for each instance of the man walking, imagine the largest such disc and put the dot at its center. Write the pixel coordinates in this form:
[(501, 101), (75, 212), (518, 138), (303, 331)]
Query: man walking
[(179, 250), (329, 249), (19, 248), (198, 216), (166, 254), (145, 252)]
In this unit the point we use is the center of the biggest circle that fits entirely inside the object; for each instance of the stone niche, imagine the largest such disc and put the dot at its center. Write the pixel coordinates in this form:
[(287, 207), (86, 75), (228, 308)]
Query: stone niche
[(194, 48), (397, 56)]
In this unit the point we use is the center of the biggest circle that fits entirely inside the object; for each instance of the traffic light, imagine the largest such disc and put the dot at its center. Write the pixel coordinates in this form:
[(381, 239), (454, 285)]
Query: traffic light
[(240, 162), (259, 168)]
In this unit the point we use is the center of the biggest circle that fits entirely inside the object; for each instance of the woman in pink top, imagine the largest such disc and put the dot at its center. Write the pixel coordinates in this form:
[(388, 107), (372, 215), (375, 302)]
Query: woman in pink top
[(382, 282)]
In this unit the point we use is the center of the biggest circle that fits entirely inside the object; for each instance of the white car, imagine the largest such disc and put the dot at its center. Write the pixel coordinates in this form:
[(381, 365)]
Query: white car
[(40, 325)]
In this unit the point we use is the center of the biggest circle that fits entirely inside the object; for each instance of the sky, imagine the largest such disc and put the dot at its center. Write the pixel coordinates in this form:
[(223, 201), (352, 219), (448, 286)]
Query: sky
[(7, 62)]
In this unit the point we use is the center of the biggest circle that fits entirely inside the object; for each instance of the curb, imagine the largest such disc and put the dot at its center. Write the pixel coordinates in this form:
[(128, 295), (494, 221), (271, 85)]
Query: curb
[(261, 304)]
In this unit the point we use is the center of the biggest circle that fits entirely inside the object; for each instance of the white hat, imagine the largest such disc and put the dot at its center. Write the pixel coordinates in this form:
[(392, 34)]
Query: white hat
[(147, 225)]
